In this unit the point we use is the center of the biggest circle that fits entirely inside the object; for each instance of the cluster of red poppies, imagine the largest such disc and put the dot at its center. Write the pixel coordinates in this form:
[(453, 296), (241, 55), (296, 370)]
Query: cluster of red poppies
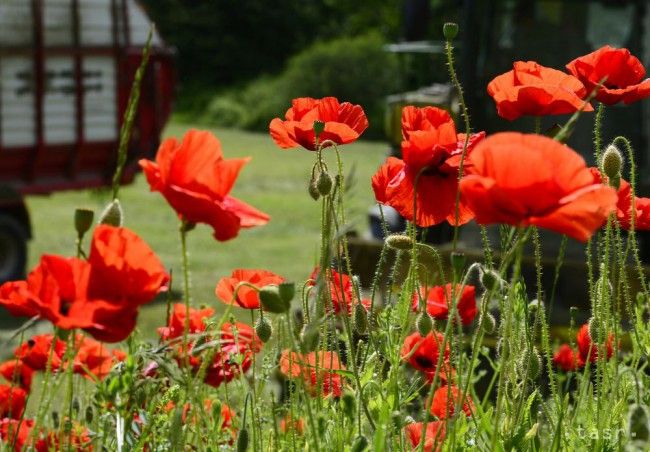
[(571, 360)]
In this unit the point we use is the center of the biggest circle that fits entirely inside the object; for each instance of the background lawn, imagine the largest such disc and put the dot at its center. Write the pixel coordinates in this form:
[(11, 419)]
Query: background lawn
[(275, 181)]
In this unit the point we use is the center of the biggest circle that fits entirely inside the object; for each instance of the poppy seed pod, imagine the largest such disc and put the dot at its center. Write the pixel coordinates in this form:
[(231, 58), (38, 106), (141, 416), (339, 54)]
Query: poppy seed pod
[(113, 215), (319, 127), (612, 163), (271, 300), (424, 323), (457, 262), (263, 329), (324, 183), (83, 220), (450, 30), (399, 242)]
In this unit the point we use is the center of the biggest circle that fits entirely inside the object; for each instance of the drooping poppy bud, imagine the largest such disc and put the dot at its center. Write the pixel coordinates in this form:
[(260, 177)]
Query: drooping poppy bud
[(264, 329), (324, 183), (271, 300), (399, 242)]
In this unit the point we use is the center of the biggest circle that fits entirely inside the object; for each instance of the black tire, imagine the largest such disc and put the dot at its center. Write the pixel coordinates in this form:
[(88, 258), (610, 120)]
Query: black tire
[(13, 248)]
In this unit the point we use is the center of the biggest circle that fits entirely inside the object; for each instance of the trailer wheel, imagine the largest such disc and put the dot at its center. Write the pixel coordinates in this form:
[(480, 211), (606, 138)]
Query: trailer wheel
[(13, 248)]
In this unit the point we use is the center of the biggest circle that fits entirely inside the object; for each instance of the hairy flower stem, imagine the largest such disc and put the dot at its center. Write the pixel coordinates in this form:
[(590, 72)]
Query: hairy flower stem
[(598, 140), (188, 302), (449, 52), (40, 411)]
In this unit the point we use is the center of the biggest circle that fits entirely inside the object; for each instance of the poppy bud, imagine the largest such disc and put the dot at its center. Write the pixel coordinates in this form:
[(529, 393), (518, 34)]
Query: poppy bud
[(263, 328), (594, 329), (450, 30), (309, 338), (324, 183), (360, 319), (530, 362), (360, 444), (489, 323), (55, 419), (611, 163), (424, 323), (349, 403), (399, 242), (457, 262), (271, 300), (533, 306), (319, 126), (287, 291), (298, 323), (76, 406), (313, 191), (490, 279), (112, 214), (242, 440), (90, 414), (83, 220)]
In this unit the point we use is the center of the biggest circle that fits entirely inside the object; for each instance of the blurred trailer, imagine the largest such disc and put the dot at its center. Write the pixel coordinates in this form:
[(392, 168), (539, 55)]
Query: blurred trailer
[(66, 70)]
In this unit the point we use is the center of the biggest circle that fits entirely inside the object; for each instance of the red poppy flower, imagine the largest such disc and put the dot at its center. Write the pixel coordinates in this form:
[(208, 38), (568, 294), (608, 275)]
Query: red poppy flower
[(317, 369), (532, 89), (422, 353), (625, 74), (17, 372), (246, 297), (431, 153), (589, 350), (289, 425), (177, 320), (433, 439), (196, 181), (35, 352), (19, 433), (238, 343), (439, 299), (567, 359), (442, 399), (533, 180), (624, 205), (343, 123), (18, 300), (94, 358), (340, 289), (12, 401)]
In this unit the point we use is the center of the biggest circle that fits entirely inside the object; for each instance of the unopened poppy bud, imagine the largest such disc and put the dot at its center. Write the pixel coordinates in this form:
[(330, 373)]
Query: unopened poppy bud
[(489, 323), (242, 440), (530, 364), (424, 323), (271, 300), (457, 262), (594, 329), (490, 279), (360, 444), (112, 214), (349, 402), (360, 319), (313, 191), (399, 242), (90, 414), (309, 338), (264, 329), (450, 30), (324, 183), (612, 163), (533, 306), (83, 220), (75, 405), (319, 126), (287, 291), (55, 419)]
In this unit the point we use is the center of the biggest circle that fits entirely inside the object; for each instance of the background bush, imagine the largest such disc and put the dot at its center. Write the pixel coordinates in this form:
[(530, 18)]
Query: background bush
[(356, 69)]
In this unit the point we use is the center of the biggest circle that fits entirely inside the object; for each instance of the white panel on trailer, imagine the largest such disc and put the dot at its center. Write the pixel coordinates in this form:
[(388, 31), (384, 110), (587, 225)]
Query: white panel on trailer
[(59, 101), (16, 27), (96, 22), (17, 115), (100, 100), (57, 22)]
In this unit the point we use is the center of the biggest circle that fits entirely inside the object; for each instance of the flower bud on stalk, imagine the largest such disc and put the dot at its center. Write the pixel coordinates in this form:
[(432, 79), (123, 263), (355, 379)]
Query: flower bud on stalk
[(612, 164), (531, 361), (424, 323), (83, 220), (263, 329), (490, 279), (399, 242), (272, 301), (450, 30), (324, 183), (349, 403), (360, 319), (489, 323), (458, 262), (242, 440), (112, 214), (360, 444)]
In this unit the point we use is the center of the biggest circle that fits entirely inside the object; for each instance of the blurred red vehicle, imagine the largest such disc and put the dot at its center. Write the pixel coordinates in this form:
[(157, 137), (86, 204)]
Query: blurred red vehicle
[(66, 70)]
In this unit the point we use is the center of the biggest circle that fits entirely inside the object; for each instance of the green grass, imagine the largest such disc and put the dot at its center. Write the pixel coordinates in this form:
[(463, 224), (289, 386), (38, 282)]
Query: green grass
[(275, 181)]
